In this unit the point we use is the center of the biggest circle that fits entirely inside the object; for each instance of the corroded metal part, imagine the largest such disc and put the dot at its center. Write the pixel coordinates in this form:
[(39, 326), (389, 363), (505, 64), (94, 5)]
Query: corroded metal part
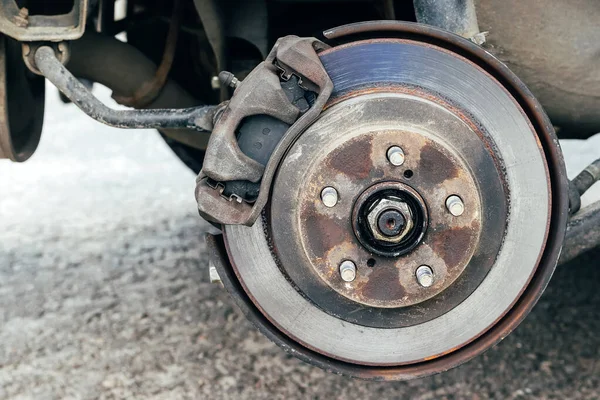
[(515, 146), (260, 94), (346, 148), (247, 288), (17, 23), (423, 127)]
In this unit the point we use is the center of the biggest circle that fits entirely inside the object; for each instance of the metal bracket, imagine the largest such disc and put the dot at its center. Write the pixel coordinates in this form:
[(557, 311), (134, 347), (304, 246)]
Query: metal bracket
[(260, 94), (21, 25)]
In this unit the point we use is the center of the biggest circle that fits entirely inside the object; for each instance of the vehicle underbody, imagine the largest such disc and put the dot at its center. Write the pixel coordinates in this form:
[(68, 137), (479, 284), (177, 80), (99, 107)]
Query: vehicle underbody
[(379, 170)]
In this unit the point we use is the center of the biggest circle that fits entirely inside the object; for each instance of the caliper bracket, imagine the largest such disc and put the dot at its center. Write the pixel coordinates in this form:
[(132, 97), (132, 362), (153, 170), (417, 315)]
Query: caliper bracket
[(261, 93)]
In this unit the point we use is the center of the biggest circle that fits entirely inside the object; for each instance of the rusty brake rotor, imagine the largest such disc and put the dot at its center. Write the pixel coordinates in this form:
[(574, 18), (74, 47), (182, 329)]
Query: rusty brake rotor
[(414, 222)]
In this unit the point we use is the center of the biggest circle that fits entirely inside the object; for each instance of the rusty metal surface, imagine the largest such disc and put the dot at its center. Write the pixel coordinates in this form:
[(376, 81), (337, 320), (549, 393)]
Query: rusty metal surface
[(62, 52), (521, 93), (351, 158), (538, 280), (464, 85), (260, 94), (21, 104), (19, 24)]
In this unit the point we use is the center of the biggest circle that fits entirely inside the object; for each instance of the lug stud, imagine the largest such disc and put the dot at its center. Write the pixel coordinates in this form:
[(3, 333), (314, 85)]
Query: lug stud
[(329, 197), (348, 271), (424, 276), (395, 156), (455, 205)]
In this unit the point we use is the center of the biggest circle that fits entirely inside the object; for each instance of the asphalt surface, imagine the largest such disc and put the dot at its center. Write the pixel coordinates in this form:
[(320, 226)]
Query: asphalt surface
[(104, 293)]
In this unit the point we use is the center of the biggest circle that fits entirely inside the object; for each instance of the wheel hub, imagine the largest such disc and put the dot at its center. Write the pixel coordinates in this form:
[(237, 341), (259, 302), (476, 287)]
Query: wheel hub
[(346, 150)]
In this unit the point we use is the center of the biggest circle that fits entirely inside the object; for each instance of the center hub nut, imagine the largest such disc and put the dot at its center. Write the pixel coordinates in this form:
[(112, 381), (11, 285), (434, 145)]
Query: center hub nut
[(390, 219)]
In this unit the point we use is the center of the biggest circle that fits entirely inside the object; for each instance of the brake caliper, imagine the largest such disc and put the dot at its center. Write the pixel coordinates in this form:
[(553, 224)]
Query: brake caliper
[(278, 100)]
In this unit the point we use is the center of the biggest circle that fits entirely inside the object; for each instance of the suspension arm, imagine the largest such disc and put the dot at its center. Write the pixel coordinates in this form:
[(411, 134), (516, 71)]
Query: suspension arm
[(198, 118)]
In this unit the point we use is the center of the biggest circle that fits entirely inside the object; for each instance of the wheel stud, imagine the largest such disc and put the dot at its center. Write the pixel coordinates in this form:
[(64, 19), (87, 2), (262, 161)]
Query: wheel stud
[(348, 271), (395, 156), (455, 205), (424, 276), (329, 197)]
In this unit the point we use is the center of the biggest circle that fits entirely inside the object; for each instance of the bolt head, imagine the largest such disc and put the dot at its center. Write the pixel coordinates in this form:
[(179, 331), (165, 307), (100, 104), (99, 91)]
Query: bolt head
[(348, 271), (329, 197), (455, 205), (395, 156), (424, 276)]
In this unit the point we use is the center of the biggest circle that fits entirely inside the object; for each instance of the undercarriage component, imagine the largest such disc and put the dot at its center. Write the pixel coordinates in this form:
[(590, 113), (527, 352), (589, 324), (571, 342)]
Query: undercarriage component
[(150, 90), (583, 233), (457, 16), (581, 183), (124, 69), (412, 225), (21, 104), (43, 21), (46, 61), (553, 47)]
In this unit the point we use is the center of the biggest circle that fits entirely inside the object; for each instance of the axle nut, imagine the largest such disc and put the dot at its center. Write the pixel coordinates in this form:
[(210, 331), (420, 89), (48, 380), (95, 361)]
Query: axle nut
[(390, 219), (391, 222)]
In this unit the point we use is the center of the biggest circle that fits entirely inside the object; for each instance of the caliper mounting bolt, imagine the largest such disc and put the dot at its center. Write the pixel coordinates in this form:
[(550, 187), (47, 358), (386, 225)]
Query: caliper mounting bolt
[(348, 271), (395, 156), (424, 276), (329, 196), (455, 205)]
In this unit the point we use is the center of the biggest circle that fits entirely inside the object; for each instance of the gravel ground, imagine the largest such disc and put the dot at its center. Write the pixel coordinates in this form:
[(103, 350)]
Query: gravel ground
[(104, 293)]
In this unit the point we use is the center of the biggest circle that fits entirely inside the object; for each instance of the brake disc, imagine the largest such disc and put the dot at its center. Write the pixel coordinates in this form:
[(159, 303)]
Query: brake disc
[(414, 224)]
